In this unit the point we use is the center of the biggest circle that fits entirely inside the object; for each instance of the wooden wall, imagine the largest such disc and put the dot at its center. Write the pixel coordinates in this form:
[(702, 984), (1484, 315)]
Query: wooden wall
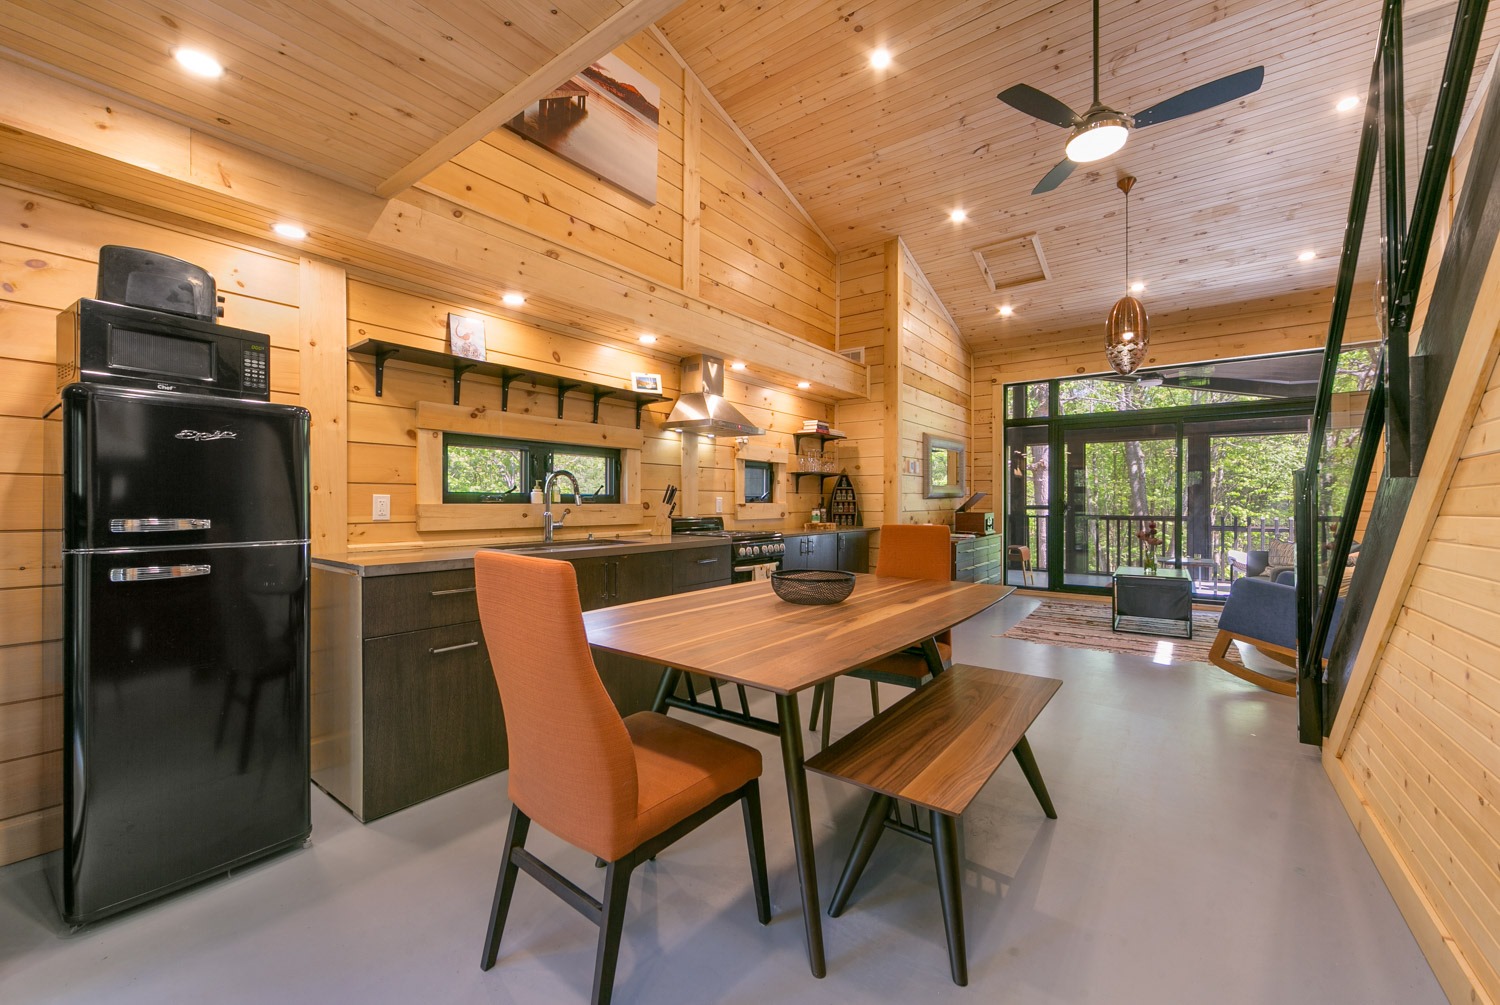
[(382, 431), (1276, 324), (863, 316), (49, 258)]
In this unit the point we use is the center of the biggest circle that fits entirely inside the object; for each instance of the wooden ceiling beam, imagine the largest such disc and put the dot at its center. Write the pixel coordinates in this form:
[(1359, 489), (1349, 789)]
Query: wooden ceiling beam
[(632, 18)]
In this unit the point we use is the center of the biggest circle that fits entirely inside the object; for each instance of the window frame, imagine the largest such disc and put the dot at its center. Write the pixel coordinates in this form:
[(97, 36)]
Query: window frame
[(537, 460)]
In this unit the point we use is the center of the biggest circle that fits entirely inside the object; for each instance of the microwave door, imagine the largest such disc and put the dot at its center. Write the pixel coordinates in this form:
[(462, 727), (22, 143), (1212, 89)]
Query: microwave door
[(151, 470)]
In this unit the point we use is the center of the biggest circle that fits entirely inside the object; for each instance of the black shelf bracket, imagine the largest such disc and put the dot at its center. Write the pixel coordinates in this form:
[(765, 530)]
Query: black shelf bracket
[(459, 369), (563, 387), (507, 378), (639, 404), (380, 358), (599, 395)]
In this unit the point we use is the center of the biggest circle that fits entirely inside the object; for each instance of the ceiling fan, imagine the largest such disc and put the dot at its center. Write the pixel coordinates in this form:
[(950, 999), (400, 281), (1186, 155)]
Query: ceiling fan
[(1102, 130)]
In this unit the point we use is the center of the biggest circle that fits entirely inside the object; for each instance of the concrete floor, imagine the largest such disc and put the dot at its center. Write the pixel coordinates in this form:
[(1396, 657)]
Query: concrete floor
[(1200, 856)]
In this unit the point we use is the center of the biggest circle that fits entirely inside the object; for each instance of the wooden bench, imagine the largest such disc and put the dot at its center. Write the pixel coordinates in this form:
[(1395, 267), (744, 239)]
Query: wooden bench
[(937, 748)]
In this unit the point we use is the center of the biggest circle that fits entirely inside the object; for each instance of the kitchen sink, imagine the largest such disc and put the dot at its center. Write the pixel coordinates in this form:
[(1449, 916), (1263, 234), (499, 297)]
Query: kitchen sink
[(538, 548)]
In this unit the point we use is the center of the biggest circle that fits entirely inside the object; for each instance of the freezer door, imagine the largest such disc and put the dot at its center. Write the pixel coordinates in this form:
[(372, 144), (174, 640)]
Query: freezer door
[(145, 469), (185, 718)]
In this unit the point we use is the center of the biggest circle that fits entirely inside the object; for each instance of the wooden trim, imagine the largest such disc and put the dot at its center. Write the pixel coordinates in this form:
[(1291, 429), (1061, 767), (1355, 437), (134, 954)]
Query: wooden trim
[(692, 182), (891, 395), (515, 425), (1458, 982), (322, 324), (483, 516), (1471, 372), (614, 30), (761, 452)]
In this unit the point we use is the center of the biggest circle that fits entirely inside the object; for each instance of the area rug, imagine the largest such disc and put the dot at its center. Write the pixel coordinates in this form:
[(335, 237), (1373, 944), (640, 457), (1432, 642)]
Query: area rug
[(1082, 625)]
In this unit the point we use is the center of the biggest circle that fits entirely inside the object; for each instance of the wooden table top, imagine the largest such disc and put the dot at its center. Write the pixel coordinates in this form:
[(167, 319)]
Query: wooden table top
[(747, 635), (939, 745)]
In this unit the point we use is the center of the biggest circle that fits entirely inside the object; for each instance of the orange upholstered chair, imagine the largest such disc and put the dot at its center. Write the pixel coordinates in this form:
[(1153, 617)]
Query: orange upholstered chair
[(911, 551), (620, 789)]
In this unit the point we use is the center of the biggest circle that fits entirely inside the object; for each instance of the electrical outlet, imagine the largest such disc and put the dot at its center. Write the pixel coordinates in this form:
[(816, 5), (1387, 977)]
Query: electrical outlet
[(380, 508), (718, 504)]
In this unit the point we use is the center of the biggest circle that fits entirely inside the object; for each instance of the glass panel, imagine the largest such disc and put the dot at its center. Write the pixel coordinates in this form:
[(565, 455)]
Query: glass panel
[(481, 471), (1027, 495), (757, 481), (1117, 482), (595, 474), (1263, 378)]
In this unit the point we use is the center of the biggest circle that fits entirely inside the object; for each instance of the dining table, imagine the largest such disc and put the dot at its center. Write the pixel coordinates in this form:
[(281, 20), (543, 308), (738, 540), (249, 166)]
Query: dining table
[(747, 636)]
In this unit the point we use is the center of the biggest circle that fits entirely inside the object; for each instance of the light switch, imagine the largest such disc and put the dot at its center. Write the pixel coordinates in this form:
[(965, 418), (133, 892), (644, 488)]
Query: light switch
[(380, 508)]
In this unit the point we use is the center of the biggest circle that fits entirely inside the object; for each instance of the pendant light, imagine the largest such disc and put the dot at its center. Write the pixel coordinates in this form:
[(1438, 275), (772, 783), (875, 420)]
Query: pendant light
[(1125, 336)]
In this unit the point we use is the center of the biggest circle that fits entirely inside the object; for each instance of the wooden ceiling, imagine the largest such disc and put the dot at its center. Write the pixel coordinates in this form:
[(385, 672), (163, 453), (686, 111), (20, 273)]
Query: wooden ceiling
[(375, 94), (372, 94), (1225, 200)]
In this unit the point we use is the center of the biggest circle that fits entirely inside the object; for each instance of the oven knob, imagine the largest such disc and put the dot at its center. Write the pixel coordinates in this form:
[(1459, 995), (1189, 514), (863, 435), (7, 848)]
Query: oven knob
[(755, 549)]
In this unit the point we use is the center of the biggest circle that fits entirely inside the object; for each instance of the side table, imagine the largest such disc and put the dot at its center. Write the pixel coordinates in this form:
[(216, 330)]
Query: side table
[(1163, 601)]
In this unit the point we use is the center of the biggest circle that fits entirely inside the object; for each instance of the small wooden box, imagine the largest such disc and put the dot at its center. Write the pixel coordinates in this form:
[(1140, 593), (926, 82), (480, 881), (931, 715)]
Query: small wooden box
[(974, 523)]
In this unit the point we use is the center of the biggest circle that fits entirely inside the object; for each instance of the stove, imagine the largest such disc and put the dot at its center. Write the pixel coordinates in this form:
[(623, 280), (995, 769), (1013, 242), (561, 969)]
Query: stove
[(754, 554)]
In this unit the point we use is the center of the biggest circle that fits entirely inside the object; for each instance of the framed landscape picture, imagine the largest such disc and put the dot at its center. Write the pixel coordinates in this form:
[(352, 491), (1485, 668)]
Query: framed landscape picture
[(605, 120)]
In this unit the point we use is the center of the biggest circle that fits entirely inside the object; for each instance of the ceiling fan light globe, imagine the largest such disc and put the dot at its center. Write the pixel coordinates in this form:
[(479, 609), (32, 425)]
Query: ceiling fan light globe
[(1096, 140)]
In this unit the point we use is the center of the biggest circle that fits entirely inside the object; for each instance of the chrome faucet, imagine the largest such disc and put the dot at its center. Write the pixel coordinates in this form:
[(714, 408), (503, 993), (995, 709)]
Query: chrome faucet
[(548, 524)]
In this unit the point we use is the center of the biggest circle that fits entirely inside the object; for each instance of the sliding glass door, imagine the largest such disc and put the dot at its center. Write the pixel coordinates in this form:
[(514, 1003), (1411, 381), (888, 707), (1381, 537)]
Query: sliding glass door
[(1116, 482)]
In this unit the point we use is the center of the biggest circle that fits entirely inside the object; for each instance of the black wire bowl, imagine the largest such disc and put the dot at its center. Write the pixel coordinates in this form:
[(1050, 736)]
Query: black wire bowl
[(812, 586)]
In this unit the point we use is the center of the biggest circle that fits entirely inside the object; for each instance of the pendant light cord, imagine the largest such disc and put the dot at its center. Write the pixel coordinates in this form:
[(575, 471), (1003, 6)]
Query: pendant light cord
[(1127, 240)]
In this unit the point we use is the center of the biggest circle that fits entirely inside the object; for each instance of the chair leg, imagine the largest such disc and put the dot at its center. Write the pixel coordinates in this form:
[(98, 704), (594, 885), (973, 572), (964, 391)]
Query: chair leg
[(870, 830), (950, 892), (1033, 775), (756, 839), (611, 924), (505, 885), (664, 689)]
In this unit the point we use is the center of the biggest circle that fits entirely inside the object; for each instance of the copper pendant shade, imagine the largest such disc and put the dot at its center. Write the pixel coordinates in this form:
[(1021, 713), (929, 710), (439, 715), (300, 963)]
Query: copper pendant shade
[(1125, 333)]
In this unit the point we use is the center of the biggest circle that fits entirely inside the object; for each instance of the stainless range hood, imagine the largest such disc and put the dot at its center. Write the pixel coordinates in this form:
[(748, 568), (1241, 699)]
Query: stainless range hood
[(702, 408)]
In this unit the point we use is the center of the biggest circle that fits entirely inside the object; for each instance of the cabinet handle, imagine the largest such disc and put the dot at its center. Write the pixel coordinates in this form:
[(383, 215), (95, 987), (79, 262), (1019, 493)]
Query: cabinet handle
[(449, 649), (449, 593), (708, 561)]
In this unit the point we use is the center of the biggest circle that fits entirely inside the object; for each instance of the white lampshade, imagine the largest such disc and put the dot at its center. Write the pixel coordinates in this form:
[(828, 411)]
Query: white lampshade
[(1096, 140)]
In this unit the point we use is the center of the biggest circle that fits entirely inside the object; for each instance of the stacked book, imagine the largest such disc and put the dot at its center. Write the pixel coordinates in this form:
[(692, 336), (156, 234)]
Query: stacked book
[(819, 426)]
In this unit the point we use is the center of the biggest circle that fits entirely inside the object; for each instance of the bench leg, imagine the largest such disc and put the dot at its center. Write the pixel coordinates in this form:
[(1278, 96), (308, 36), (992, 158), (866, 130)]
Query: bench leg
[(870, 830), (950, 891), (1028, 767)]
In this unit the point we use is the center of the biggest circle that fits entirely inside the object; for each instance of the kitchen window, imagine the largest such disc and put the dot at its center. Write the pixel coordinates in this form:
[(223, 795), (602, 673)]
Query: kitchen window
[(760, 477), (488, 469)]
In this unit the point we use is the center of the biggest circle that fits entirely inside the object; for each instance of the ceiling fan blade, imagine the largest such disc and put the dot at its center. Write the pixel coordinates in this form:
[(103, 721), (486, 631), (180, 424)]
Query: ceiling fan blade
[(1055, 177), (1038, 104), (1202, 97)]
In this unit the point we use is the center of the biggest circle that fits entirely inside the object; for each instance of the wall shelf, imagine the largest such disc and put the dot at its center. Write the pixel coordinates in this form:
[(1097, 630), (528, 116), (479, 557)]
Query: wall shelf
[(381, 352), (823, 440)]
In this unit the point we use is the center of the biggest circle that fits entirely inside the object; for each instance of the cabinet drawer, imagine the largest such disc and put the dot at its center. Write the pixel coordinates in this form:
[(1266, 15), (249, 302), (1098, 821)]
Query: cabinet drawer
[(432, 717), (396, 604), (695, 566)]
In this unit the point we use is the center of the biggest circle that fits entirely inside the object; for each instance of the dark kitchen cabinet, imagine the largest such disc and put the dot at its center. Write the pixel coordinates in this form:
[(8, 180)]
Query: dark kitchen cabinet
[(845, 550), (404, 704)]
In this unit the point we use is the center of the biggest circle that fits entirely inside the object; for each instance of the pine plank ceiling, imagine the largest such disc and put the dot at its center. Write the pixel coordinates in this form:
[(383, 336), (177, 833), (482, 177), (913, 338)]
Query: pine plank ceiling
[(375, 93), (1225, 200)]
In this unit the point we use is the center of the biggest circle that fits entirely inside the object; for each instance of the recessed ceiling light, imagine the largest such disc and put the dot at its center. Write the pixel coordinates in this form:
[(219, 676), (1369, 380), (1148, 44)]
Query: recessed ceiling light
[(803, 385), (736, 366), (200, 64), (1006, 310), (513, 300), (648, 339), (1307, 256), (958, 216), (1137, 287), (290, 231), (1348, 104), (880, 58)]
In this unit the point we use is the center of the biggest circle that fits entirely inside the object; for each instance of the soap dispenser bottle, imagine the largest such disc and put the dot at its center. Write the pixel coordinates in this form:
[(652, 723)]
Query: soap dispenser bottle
[(536, 493)]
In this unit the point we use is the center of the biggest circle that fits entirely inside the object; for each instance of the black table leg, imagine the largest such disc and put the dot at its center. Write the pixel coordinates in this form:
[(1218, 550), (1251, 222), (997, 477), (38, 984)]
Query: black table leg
[(789, 717), (669, 678)]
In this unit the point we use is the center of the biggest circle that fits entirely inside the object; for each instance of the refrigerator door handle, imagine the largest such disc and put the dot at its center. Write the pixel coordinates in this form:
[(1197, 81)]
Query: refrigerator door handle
[(148, 572), (146, 524)]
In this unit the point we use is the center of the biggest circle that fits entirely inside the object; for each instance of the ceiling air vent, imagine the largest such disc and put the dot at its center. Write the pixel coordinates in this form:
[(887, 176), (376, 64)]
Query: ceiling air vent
[(854, 355), (1012, 262)]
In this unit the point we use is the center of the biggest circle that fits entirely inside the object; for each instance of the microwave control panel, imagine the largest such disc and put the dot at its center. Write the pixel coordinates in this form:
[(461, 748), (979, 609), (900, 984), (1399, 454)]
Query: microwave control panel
[(255, 367)]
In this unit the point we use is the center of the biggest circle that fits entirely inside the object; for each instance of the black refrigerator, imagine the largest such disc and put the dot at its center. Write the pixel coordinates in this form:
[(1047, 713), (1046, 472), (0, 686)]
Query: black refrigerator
[(184, 610)]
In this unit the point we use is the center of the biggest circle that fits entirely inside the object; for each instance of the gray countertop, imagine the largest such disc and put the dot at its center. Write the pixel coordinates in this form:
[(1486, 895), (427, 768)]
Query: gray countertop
[(830, 530), (414, 560)]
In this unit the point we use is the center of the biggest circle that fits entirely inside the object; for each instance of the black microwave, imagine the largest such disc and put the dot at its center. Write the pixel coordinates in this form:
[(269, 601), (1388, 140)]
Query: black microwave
[(99, 342)]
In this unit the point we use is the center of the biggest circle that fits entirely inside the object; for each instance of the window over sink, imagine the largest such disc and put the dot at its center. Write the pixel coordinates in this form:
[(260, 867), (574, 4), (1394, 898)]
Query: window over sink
[(490, 469)]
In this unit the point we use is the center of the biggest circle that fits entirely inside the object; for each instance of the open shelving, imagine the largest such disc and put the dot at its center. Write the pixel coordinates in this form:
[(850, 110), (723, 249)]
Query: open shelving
[(382, 352)]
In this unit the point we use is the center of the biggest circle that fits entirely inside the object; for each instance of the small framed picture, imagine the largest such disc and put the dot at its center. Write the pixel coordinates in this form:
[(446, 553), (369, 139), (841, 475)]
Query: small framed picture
[(466, 336), (648, 383)]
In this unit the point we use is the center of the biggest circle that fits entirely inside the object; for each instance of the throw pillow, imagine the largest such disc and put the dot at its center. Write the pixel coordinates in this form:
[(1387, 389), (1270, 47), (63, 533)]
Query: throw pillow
[(1281, 553)]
